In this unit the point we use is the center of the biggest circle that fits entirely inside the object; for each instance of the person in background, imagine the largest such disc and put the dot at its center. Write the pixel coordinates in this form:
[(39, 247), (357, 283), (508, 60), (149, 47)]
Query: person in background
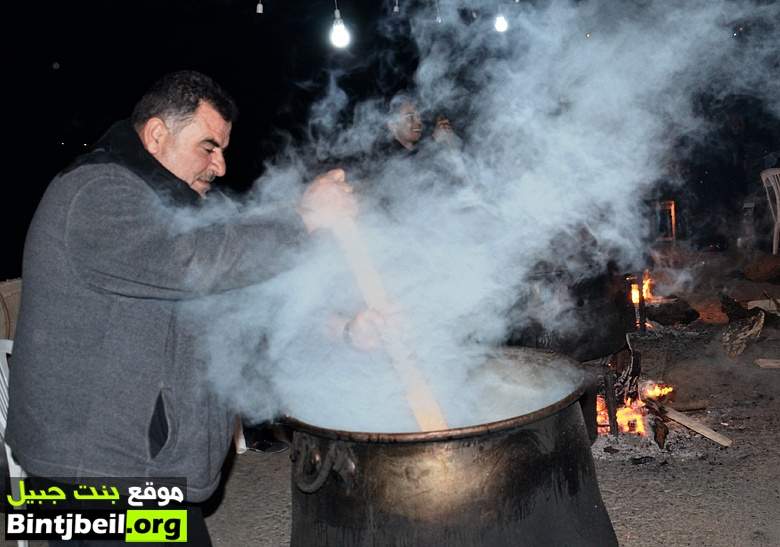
[(404, 125), (405, 128)]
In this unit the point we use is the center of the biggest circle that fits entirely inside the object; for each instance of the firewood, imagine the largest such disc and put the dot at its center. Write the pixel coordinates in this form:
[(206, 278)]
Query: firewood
[(764, 267), (672, 311), (775, 301), (736, 336), (660, 431), (734, 310), (768, 363), (771, 307), (690, 423), (609, 396)]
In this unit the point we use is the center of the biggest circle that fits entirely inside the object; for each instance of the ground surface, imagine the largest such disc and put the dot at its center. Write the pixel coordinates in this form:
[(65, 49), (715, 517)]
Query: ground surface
[(696, 492), (693, 492)]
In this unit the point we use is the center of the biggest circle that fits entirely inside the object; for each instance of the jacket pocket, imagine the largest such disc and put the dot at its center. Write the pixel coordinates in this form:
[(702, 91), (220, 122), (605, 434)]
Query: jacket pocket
[(161, 426)]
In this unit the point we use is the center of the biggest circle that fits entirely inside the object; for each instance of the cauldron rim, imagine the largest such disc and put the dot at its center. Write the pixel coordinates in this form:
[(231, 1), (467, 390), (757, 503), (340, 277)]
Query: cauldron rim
[(453, 433)]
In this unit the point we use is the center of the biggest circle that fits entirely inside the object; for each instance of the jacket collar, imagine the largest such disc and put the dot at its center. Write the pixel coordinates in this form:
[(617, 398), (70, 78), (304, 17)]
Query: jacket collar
[(122, 145)]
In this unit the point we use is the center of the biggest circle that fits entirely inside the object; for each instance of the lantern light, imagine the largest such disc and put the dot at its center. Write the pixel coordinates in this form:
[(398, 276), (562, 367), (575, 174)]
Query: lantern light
[(339, 34), (501, 23)]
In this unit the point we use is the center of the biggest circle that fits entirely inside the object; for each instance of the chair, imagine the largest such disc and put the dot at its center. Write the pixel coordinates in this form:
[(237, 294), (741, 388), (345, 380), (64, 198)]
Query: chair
[(15, 471), (771, 180), (10, 298)]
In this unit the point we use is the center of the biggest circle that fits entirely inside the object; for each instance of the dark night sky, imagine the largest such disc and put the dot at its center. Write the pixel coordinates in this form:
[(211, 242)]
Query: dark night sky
[(86, 63)]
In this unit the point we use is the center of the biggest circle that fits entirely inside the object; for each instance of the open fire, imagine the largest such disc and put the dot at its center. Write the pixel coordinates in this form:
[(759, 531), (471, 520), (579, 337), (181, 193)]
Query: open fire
[(642, 296), (632, 415), (647, 291)]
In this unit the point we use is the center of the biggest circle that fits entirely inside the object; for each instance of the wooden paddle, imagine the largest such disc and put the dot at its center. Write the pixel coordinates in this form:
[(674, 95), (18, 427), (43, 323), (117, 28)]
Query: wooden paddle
[(421, 400)]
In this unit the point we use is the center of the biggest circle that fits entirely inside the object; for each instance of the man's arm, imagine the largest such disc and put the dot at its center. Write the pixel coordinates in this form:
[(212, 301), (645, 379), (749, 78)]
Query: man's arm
[(120, 239)]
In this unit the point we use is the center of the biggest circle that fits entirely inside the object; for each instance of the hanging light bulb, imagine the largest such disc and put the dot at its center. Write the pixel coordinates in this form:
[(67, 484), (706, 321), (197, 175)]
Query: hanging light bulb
[(339, 35), (501, 23), (396, 9), (259, 8), (438, 12)]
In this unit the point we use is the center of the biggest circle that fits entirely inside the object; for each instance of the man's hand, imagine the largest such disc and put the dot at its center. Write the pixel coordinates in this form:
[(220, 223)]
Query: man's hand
[(327, 201), (443, 132), (364, 331)]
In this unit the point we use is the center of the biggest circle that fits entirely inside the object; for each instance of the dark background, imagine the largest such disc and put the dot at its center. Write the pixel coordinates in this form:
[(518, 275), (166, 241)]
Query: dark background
[(82, 65)]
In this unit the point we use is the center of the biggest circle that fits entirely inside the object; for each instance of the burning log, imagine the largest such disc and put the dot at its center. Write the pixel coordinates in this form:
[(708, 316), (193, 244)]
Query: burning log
[(660, 431), (631, 416), (609, 395), (635, 289), (426, 409), (687, 421), (628, 366)]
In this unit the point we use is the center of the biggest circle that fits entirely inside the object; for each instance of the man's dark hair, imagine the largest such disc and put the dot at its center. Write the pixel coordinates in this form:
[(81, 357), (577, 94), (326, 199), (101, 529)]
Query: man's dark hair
[(177, 95), (394, 104)]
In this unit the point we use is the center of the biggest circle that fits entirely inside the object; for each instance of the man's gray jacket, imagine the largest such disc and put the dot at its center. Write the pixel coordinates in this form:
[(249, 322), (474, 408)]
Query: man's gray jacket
[(106, 379)]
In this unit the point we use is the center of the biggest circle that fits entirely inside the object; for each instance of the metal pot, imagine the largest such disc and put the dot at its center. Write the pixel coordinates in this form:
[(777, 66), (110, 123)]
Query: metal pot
[(527, 480)]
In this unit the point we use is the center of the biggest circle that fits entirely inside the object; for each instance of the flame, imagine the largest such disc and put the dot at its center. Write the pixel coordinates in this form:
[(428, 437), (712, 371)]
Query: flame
[(632, 416), (602, 416), (648, 283), (635, 293), (647, 293), (654, 391)]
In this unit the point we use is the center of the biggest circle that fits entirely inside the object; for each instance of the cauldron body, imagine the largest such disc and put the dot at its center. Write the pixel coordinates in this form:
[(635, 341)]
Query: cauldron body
[(528, 480)]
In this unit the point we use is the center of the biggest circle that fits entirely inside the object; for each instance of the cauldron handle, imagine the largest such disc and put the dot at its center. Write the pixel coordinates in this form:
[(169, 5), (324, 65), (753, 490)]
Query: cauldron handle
[(338, 459), (588, 404)]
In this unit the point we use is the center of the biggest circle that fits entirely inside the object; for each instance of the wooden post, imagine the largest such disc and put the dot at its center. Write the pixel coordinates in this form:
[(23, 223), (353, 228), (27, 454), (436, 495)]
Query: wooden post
[(426, 409), (609, 396), (642, 308)]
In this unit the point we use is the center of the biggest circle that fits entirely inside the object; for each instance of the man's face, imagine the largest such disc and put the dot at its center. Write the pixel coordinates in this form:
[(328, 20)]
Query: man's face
[(194, 150), (407, 127)]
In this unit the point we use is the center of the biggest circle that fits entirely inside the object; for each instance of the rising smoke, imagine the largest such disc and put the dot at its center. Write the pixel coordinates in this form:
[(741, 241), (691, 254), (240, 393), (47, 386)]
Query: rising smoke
[(566, 121)]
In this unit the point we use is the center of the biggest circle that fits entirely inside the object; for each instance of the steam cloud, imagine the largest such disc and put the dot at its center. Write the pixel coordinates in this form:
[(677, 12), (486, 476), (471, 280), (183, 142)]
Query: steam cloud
[(566, 120)]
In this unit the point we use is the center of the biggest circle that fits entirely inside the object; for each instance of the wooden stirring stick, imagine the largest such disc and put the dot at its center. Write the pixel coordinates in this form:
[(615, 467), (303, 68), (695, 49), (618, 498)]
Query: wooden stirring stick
[(421, 400)]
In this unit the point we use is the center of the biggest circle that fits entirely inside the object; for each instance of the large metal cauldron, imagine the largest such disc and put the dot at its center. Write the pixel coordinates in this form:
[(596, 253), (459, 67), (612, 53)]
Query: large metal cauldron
[(524, 481)]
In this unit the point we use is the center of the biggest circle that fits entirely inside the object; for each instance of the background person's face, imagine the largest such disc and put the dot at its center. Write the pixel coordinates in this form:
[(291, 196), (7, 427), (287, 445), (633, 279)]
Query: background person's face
[(408, 125), (195, 152)]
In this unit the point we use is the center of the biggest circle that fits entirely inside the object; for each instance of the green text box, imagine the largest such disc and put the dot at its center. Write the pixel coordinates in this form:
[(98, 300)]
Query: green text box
[(161, 525)]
